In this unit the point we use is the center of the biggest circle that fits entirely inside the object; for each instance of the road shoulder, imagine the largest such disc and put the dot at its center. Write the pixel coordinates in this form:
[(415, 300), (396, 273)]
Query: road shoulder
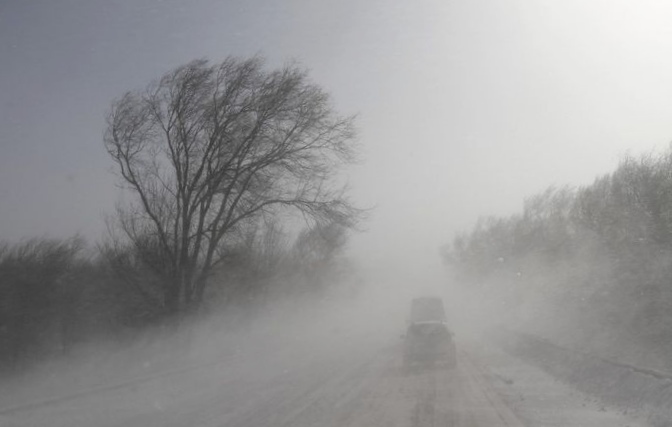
[(539, 399)]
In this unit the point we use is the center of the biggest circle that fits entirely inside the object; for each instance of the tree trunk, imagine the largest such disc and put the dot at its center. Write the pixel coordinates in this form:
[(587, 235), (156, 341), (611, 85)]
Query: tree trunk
[(172, 297)]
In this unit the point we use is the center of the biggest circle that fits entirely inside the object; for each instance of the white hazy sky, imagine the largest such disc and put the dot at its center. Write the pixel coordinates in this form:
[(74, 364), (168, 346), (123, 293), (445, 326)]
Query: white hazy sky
[(465, 107)]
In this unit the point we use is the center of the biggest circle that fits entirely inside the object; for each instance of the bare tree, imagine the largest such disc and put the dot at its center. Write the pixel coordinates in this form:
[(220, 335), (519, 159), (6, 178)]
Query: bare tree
[(317, 251), (208, 147)]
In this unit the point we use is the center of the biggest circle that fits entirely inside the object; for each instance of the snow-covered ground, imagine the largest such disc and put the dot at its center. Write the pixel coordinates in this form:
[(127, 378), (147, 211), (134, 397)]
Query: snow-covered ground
[(343, 369), (539, 399)]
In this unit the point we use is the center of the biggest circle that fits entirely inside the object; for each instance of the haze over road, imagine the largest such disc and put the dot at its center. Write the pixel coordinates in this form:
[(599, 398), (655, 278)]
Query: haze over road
[(335, 370)]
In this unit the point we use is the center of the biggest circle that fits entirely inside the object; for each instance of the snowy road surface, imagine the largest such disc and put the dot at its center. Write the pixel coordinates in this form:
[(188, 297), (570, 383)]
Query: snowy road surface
[(355, 381)]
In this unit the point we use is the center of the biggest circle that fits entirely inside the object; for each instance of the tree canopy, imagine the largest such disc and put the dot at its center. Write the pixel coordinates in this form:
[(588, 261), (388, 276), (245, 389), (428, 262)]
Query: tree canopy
[(208, 148)]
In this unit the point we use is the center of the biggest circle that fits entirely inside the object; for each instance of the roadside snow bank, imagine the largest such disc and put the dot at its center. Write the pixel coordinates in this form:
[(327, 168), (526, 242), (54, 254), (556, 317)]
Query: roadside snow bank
[(615, 383)]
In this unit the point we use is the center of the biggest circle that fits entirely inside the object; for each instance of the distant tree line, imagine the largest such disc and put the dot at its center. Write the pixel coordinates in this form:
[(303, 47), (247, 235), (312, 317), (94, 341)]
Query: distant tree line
[(595, 261), (219, 161)]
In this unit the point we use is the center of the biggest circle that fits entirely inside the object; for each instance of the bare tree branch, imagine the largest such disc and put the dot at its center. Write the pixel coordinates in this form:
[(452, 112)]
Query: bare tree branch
[(207, 148)]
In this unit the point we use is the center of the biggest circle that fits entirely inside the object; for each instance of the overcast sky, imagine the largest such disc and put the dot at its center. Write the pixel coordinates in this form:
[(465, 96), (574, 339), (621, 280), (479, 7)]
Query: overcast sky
[(465, 107)]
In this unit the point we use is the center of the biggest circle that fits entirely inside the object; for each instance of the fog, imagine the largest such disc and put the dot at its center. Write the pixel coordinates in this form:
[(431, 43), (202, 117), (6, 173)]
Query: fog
[(464, 109), (510, 158), (306, 338)]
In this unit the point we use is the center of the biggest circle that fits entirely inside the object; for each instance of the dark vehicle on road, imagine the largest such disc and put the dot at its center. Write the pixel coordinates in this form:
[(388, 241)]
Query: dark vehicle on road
[(428, 339)]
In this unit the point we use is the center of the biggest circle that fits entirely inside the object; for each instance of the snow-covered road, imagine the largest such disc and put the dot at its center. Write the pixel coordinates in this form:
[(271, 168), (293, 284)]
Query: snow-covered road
[(349, 379)]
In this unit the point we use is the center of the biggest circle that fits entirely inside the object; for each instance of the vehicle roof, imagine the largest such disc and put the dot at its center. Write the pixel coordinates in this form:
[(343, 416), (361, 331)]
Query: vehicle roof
[(427, 309), (430, 322)]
